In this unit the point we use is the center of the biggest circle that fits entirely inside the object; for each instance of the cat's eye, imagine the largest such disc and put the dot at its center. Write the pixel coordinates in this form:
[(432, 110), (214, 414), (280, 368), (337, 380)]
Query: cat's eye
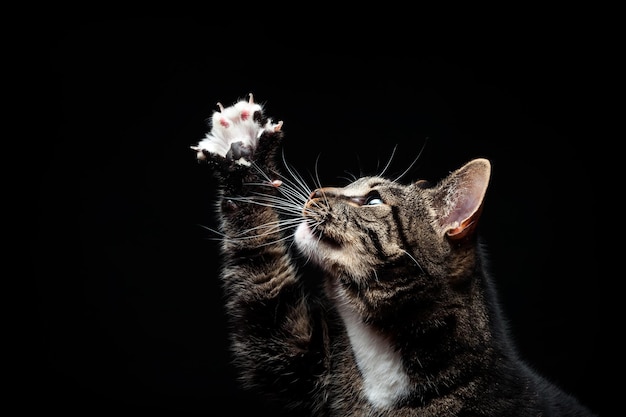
[(374, 201)]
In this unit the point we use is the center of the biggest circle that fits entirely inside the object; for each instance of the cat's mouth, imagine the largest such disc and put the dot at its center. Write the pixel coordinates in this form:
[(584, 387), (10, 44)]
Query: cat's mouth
[(329, 241), (306, 233), (326, 239)]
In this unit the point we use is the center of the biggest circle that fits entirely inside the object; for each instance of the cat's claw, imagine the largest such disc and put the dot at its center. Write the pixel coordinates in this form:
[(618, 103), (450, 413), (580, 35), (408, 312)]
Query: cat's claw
[(235, 132)]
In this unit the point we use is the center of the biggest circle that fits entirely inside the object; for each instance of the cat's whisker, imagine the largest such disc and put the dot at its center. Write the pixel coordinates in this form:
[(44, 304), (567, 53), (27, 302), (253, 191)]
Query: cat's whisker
[(281, 205), (399, 177), (226, 238), (280, 238), (316, 179), (293, 188), (297, 178), (284, 202), (295, 195), (413, 259), (353, 177), (253, 233), (219, 234), (273, 242), (350, 178), (382, 173), (363, 305)]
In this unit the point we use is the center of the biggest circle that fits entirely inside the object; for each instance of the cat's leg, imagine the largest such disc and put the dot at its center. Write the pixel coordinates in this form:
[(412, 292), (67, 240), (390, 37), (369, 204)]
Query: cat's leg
[(272, 330), (242, 149)]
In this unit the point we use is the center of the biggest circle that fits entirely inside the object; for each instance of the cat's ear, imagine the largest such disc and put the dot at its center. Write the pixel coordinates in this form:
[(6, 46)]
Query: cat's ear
[(458, 198)]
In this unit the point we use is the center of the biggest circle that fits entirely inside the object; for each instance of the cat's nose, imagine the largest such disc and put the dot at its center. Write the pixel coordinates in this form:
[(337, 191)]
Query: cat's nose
[(316, 194), (313, 201), (324, 193)]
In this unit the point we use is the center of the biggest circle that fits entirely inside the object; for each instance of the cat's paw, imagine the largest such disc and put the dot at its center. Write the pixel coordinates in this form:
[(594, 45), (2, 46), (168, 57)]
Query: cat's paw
[(235, 132)]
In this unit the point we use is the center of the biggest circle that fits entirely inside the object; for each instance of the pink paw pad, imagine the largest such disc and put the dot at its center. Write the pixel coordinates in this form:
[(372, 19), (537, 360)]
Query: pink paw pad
[(236, 131)]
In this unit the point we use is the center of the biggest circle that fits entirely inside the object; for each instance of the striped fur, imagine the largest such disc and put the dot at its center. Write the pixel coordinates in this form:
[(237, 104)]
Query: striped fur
[(367, 300)]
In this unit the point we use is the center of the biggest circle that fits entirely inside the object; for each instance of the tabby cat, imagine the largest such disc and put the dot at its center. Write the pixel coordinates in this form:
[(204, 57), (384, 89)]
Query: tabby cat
[(366, 300)]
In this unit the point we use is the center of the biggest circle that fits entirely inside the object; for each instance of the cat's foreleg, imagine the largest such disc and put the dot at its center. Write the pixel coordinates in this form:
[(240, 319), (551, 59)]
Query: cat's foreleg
[(241, 149), (272, 329)]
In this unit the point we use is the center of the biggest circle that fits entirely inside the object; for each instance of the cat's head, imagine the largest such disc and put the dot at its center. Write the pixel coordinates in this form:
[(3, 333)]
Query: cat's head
[(375, 231)]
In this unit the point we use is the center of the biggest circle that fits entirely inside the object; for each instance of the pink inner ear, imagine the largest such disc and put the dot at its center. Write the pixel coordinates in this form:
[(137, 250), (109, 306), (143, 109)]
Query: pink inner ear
[(462, 230), (465, 203), (463, 194)]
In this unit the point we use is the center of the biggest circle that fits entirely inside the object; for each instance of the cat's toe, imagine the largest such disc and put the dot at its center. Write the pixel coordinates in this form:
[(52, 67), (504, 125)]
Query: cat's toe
[(235, 132)]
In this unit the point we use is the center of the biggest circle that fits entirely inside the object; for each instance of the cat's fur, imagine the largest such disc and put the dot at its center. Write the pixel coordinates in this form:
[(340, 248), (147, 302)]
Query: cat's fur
[(382, 307)]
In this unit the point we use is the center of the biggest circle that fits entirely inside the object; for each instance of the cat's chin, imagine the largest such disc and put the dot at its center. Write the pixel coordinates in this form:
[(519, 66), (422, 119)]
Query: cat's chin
[(313, 242), (305, 240), (312, 245)]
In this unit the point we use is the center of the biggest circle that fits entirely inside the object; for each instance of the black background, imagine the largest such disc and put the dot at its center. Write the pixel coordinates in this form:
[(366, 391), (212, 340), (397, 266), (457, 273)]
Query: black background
[(128, 315)]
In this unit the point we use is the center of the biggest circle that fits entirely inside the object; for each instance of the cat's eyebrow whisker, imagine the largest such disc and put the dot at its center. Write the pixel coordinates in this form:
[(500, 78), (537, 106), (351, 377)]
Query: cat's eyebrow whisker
[(350, 177), (399, 177), (360, 165), (316, 177), (382, 173)]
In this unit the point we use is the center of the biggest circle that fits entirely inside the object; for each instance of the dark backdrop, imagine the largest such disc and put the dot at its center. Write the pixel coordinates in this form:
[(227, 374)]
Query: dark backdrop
[(129, 315)]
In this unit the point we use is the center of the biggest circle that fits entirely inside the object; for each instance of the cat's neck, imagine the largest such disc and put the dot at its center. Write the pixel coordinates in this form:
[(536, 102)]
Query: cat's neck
[(384, 350), (384, 378)]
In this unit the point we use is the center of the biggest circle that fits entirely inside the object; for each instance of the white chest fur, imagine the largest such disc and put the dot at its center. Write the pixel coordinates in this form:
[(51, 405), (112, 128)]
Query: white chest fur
[(384, 378)]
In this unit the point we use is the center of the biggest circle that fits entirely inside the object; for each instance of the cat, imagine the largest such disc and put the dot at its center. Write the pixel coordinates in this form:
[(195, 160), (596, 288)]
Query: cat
[(372, 299)]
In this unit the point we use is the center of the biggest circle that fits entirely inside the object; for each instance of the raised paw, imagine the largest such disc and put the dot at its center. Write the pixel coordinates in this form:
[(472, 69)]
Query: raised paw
[(235, 132)]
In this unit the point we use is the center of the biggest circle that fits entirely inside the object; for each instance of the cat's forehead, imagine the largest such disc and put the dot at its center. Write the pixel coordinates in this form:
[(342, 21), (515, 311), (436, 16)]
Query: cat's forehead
[(366, 184)]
